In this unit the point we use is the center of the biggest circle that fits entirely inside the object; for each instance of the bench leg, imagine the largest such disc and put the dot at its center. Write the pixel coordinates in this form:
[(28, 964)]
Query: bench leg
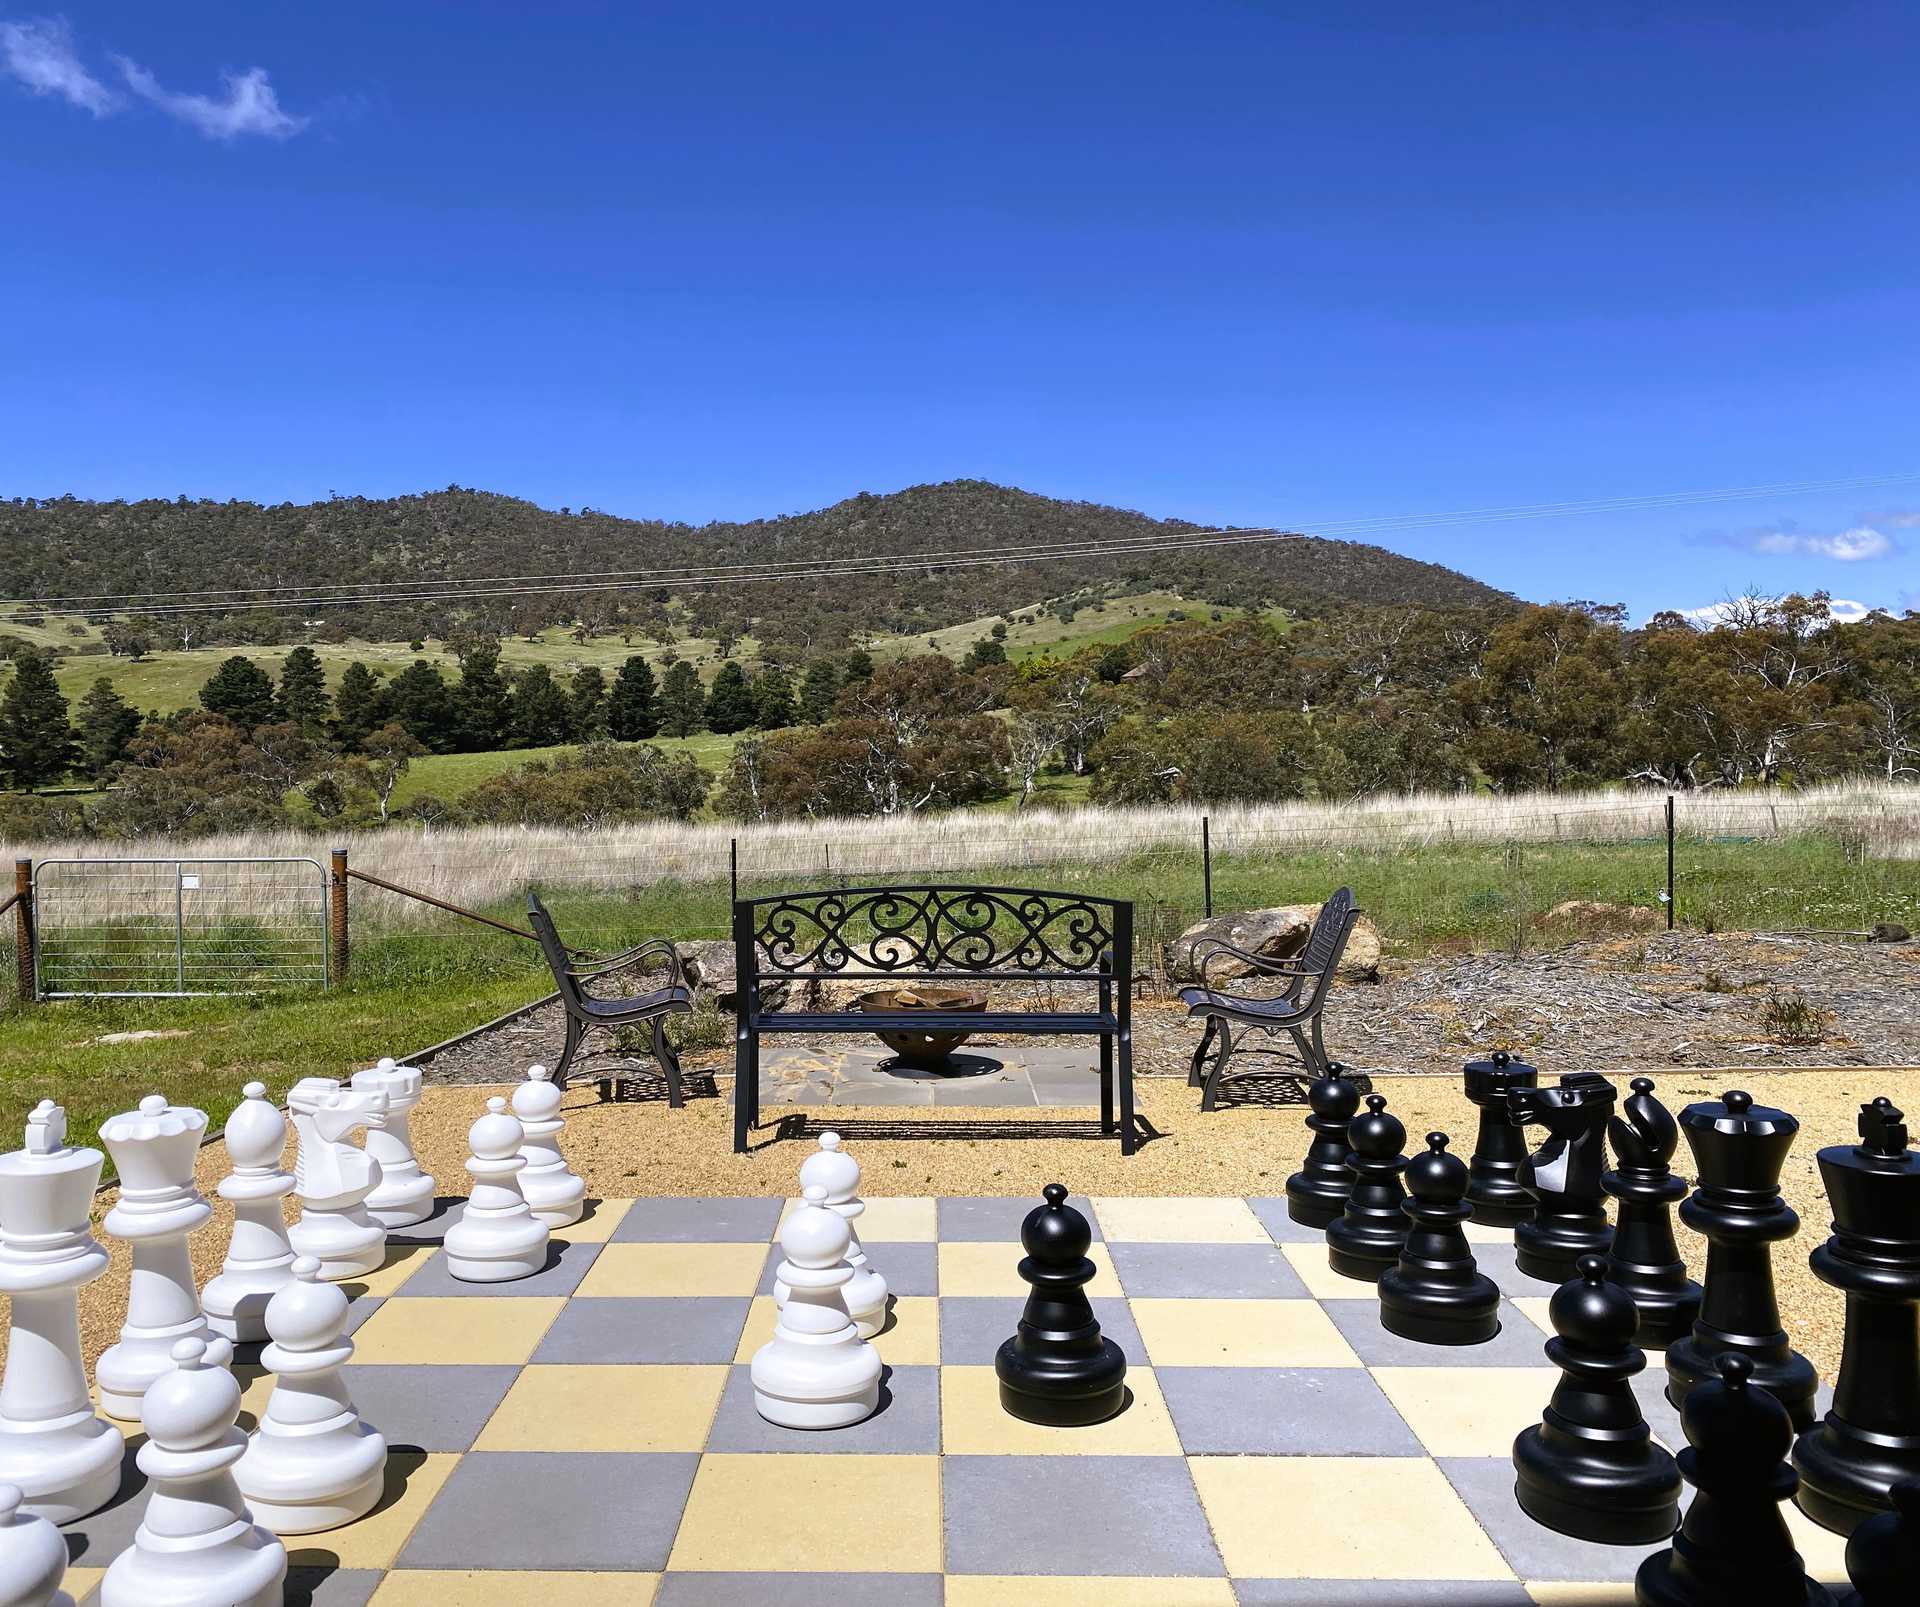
[(574, 1035), (1194, 1075), (1128, 1143), (746, 1085), (1219, 1066), (1321, 1064), (1106, 1083), (668, 1062)]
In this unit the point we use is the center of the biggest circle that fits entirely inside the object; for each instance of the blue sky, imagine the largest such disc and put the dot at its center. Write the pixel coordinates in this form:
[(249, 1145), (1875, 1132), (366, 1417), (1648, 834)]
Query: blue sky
[(1238, 262)]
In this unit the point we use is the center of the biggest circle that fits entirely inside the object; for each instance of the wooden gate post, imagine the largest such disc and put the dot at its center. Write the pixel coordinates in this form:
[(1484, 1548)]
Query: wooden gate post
[(339, 937), (23, 929)]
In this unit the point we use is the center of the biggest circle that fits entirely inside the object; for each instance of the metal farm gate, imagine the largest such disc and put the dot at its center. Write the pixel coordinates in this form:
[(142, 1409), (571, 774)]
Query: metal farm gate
[(173, 928)]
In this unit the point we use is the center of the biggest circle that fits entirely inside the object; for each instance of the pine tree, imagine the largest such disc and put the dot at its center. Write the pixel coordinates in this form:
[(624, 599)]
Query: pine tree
[(633, 712), (303, 690), (859, 666), (420, 701), (482, 701), (773, 698), (818, 690), (682, 706), (541, 715), (107, 724), (36, 742), (730, 702), (587, 717), (241, 691), (357, 707)]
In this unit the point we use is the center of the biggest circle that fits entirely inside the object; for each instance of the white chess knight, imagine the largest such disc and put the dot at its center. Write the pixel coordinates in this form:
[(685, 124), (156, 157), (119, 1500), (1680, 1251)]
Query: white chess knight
[(313, 1463), (33, 1556), (404, 1195), (497, 1238), (53, 1445), (334, 1177), (839, 1174), (197, 1544), (259, 1256), (816, 1371), (549, 1185), (153, 1150)]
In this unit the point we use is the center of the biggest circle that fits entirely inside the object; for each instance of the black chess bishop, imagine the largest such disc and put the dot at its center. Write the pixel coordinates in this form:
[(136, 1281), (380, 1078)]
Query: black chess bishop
[(1317, 1193), (1435, 1294), (1645, 1260), (1058, 1368), (1563, 1174), (1494, 1191)]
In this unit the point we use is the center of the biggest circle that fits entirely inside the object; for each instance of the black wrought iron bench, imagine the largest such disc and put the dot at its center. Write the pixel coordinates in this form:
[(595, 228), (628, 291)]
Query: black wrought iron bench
[(1295, 1010), (586, 1014), (939, 934)]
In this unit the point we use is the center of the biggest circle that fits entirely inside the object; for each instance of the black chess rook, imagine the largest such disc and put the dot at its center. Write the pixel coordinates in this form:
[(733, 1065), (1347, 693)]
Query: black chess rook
[(1563, 1175), (1317, 1193), (1058, 1368), (1435, 1294), (1494, 1191), (1645, 1260), (1369, 1237)]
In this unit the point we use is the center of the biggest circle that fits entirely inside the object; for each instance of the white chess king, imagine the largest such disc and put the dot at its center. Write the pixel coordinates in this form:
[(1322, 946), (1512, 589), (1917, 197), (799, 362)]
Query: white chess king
[(333, 1178), (404, 1195), (816, 1371), (497, 1238), (551, 1190), (839, 1174), (259, 1257)]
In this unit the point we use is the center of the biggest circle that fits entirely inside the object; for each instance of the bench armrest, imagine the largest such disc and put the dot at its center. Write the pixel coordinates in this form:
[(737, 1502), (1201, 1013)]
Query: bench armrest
[(1204, 953), (654, 948)]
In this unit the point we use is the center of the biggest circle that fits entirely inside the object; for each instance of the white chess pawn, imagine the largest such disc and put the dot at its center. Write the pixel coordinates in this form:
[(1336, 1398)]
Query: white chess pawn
[(52, 1443), (259, 1257), (334, 1177), (496, 1238), (153, 1150), (816, 1371), (405, 1193), (33, 1556), (839, 1174), (197, 1544), (548, 1183), (313, 1463)]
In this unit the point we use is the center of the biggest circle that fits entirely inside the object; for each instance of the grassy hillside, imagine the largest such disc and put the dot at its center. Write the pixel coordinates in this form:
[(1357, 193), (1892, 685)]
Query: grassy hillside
[(452, 775)]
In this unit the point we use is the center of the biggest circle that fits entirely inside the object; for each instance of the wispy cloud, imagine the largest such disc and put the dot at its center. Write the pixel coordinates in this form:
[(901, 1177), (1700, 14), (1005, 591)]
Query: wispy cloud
[(1862, 542), (39, 53), (1842, 611), (248, 107)]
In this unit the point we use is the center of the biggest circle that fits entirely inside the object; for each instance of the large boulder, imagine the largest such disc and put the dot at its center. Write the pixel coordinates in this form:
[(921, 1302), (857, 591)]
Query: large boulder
[(709, 966), (1279, 933), (1585, 917)]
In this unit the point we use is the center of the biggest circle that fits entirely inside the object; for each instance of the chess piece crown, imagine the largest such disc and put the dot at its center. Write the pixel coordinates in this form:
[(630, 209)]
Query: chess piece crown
[(1751, 1166), (46, 1199)]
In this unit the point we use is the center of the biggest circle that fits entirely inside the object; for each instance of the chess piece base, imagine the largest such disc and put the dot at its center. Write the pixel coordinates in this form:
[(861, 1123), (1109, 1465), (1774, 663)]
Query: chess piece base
[(1066, 1394), (246, 1567), (556, 1201), (1666, 1315), (1496, 1203), (314, 1517), (344, 1248), (1659, 1584), (1468, 1315), (1363, 1253), (65, 1467), (1845, 1473), (484, 1249), (1606, 1502), (1789, 1378), (797, 1384), (401, 1203), (1551, 1250), (1314, 1204)]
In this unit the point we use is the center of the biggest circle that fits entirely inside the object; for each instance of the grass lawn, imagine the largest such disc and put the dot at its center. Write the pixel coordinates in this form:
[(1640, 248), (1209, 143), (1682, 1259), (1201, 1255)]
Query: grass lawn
[(452, 775)]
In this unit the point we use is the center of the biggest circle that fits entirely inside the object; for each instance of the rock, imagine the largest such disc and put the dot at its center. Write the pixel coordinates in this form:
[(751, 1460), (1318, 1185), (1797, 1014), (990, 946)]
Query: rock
[(710, 969), (1587, 917), (148, 1034), (1279, 933)]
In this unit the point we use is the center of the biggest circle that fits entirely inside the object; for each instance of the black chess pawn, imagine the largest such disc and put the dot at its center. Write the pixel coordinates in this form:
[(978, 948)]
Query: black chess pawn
[(1883, 1557), (1590, 1467), (1369, 1237), (1870, 1440), (1435, 1294), (1317, 1193), (1494, 1190), (1738, 1150), (1563, 1175), (1058, 1368), (1645, 1260), (1733, 1550)]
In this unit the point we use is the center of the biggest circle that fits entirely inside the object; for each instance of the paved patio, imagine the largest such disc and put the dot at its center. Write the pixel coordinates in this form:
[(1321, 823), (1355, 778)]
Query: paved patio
[(981, 1074)]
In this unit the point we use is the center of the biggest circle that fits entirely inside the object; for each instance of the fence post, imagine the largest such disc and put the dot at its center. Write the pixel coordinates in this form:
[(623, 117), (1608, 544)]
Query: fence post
[(1669, 862), (1206, 864), (733, 870), (340, 937), (23, 929)]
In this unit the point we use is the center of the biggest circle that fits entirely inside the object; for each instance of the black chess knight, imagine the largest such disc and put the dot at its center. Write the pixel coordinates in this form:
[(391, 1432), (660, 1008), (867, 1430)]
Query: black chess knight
[(1563, 1174), (1494, 1191), (1059, 1369), (1317, 1193), (1644, 1259)]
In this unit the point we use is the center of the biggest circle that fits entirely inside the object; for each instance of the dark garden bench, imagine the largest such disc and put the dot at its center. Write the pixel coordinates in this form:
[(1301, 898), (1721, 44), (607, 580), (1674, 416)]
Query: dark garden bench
[(1295, 1009), (953, 936), (586, 1014)]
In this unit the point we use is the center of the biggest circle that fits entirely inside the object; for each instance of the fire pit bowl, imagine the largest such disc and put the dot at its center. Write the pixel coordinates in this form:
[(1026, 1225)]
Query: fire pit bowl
[(924, 1048)]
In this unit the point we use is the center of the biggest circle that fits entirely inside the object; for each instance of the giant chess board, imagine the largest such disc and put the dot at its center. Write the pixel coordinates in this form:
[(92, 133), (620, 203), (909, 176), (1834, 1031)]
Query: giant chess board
[(588, 1435)]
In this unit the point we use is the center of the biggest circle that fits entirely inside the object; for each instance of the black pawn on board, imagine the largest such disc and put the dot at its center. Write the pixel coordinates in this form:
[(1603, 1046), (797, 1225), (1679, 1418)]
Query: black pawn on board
[(1368, 1239), (1563, 1175), (1733, 1550), (1059, 1369), (1590, 1467), (1883, 1557), (1645, 1260), (1494, 1190), (1435, 1294), (1850, 1461), (1738, 1150), (1317, 1193)]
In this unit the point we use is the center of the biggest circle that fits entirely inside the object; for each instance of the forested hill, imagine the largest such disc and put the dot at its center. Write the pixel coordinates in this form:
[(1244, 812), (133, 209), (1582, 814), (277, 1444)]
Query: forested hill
[(66, 547)]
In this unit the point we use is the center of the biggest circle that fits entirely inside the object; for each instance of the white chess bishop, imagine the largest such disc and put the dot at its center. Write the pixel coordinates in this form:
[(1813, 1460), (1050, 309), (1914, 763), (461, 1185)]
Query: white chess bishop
[(816, 1371), (259, 1256), (312, 1464), (838, 1173), (552, 1191), (197, 1545), (404, 1194), (61, 1454), (333, 1178), (153, 1150), (33, 1556), (497, 1238)]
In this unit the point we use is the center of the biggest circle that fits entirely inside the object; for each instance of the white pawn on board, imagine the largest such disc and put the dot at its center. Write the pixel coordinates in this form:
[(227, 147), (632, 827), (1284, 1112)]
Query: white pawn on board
[(313, 1463), (197, 1544), (33, 1556), (333, 1178), (552, 1191), (404, 1194), (153, 1150), (259, 1257), (816, 1371), (53, 1445), (497, 1238), (839, 1174)]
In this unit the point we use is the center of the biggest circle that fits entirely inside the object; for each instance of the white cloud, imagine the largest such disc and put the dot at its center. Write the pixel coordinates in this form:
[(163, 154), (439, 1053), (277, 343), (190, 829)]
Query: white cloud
[(249, 107), (39, 53), (1842, 610), (1860, 544), (1846, 611)]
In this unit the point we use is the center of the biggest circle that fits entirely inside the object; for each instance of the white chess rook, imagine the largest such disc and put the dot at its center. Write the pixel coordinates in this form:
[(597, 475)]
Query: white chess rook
[(197, 1545), (405, 1193), (816, 1371), (33, 1556), (312, 1464), (839, 1174), (153, 1149), (551, 1190), (62, 1455), (259, 1257), (497, 1238), (334, 1177)]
